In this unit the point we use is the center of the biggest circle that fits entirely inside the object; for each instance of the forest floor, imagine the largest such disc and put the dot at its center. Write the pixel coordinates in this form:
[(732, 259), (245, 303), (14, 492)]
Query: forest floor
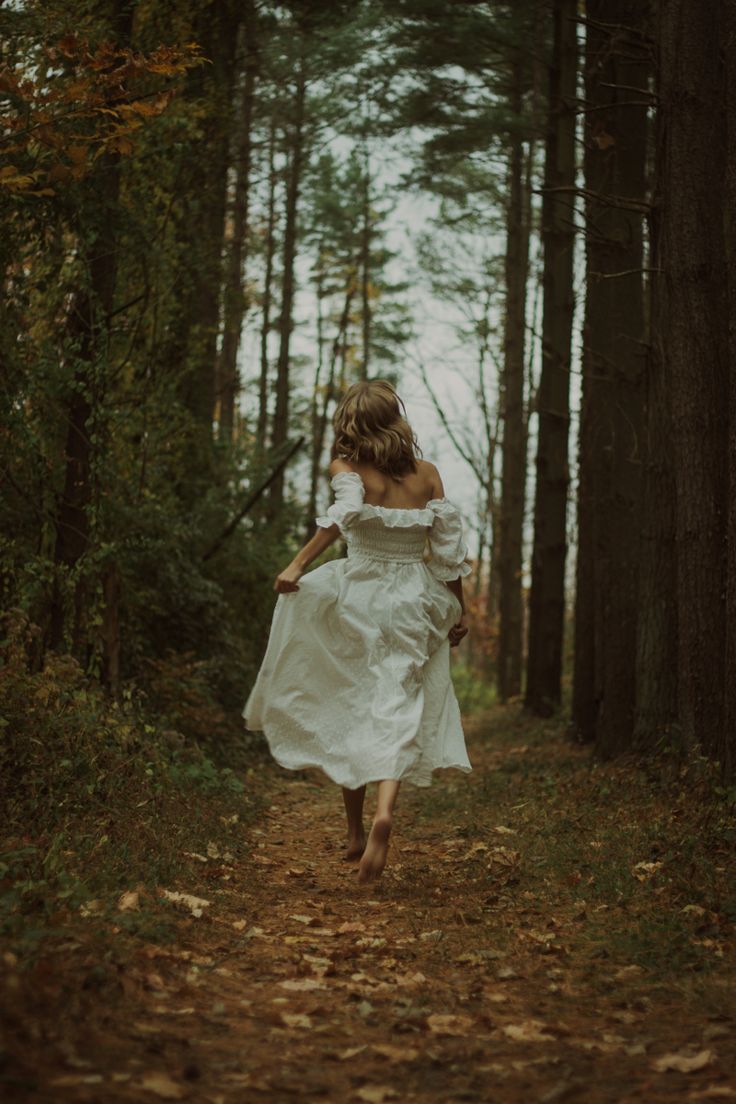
[(548, 929)]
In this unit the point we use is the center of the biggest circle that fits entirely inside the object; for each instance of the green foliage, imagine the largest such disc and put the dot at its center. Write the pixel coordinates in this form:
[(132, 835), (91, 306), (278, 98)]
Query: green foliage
[(475, 692), (98, 796)]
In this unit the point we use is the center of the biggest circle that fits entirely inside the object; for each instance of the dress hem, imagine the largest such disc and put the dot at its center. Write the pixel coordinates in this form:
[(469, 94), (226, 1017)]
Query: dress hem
[(422, 781)]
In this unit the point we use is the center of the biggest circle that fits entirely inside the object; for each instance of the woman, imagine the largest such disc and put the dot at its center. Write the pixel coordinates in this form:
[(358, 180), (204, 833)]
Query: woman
[(356, 676)]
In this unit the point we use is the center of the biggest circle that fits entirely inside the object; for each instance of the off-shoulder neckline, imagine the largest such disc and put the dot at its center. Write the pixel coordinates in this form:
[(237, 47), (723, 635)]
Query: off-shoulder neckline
[(390, 509)]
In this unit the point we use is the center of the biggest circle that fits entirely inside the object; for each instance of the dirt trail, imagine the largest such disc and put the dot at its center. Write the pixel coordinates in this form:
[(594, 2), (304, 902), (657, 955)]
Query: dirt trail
[(457, 977)]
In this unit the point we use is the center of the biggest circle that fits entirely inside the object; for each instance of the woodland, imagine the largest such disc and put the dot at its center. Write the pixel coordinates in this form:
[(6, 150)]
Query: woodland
[(199, 254)]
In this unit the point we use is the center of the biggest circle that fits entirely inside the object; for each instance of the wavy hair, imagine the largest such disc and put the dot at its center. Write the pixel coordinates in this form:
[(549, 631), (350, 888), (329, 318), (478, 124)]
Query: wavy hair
[(371, 427)]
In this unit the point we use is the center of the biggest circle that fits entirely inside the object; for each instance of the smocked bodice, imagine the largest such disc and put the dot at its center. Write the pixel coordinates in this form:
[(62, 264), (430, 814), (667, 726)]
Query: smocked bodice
[(397, 535), (374, 538)]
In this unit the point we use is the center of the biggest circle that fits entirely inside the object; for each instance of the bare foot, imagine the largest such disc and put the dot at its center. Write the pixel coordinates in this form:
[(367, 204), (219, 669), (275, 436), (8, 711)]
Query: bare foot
[(355, 847), (374, 856)]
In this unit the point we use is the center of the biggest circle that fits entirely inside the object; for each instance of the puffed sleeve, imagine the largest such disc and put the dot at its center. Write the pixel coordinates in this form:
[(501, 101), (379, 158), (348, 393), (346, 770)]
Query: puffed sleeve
[(349, 495), (449, 552)]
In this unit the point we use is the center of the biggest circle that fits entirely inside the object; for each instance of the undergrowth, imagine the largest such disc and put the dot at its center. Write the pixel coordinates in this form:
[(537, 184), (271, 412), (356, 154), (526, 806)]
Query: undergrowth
[(102, 796), (639, 850)]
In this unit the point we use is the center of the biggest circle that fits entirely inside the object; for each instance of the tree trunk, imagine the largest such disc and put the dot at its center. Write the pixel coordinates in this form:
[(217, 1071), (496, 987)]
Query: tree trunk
[(281, 412), (234, 303), (262, 423), (656, 642), (695, 342), (727, 753), (513, 448), (88, 328), (365, 266), (547, 598), (320, 418), (614, 360)]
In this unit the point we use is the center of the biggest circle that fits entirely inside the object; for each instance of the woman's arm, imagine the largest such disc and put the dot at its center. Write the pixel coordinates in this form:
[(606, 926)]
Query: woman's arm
[(288, 579), (459, 629)]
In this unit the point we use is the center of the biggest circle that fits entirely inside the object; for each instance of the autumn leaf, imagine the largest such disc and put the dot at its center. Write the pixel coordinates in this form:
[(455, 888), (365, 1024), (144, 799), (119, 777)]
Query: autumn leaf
[(440, 1023), (683, 1063), (296, 1019), (162, 1086), (376, 1094), (129, 901), (194, 904), (529, 1031)]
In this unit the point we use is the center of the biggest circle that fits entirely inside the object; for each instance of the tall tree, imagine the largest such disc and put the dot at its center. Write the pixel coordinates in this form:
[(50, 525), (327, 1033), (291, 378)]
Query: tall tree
[(547, 598), (508, 554), (296, 153), (695, 343), (234, 302), (613, 451)]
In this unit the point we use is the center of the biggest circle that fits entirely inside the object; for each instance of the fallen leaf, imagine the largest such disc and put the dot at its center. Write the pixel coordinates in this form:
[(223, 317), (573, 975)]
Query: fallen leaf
[(683, 1063), (194, 904), (642, 871), (440, 1023), (396, 1053), (162, 1085), (410, 981), (295, 871), (529, 1031), (301, 984), (351, 926), (296, 1019), (239, 924), (431, 936), (350, 1052), (504, 831), (129, 900), (376, 1094), (311, 921)]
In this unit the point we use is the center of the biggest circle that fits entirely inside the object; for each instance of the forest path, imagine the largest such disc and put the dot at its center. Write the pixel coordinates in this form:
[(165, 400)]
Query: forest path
[(486, 964)]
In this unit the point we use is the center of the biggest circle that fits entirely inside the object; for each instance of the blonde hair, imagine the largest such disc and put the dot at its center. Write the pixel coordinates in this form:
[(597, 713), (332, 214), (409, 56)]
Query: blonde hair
[(371, 427)]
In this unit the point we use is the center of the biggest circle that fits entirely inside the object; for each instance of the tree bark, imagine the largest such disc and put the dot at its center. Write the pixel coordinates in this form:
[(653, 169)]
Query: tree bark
[(614, 361), (262, 423), (234, 302), (281, 412), (727, 751), (695, 342), (365, 266), (88, 327), (656, 642), (513, 448), (547, 598)]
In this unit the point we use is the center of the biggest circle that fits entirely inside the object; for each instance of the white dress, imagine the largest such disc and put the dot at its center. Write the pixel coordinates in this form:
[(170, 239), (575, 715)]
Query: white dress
[(356, 675)]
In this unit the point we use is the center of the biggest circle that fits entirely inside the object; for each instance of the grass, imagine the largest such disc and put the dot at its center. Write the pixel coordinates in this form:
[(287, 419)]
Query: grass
[(641, 851)]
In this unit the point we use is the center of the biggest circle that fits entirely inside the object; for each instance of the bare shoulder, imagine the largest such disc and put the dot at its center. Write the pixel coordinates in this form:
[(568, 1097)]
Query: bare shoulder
[(340, 465), (430, 472)]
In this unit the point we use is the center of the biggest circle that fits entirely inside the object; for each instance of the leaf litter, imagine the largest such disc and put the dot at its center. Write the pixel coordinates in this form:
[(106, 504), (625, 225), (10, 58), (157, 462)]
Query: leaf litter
[(470, 959)]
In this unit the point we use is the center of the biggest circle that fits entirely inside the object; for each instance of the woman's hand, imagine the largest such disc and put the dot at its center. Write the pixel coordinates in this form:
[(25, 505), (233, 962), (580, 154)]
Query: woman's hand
[(458, 631), (287, 580)]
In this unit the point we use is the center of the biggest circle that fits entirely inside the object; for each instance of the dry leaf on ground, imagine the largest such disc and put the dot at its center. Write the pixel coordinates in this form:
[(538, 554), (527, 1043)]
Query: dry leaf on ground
[(301, 984), (440, 1023), (129, 900), (529, 1031), (376, 1094), (396, 1053), (296, 1019), (683, 1063), (162, 1085), (194, 904)]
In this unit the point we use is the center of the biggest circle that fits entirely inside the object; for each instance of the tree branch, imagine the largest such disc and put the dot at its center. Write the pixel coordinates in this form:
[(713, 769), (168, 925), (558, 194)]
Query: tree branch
[(251, 500)]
